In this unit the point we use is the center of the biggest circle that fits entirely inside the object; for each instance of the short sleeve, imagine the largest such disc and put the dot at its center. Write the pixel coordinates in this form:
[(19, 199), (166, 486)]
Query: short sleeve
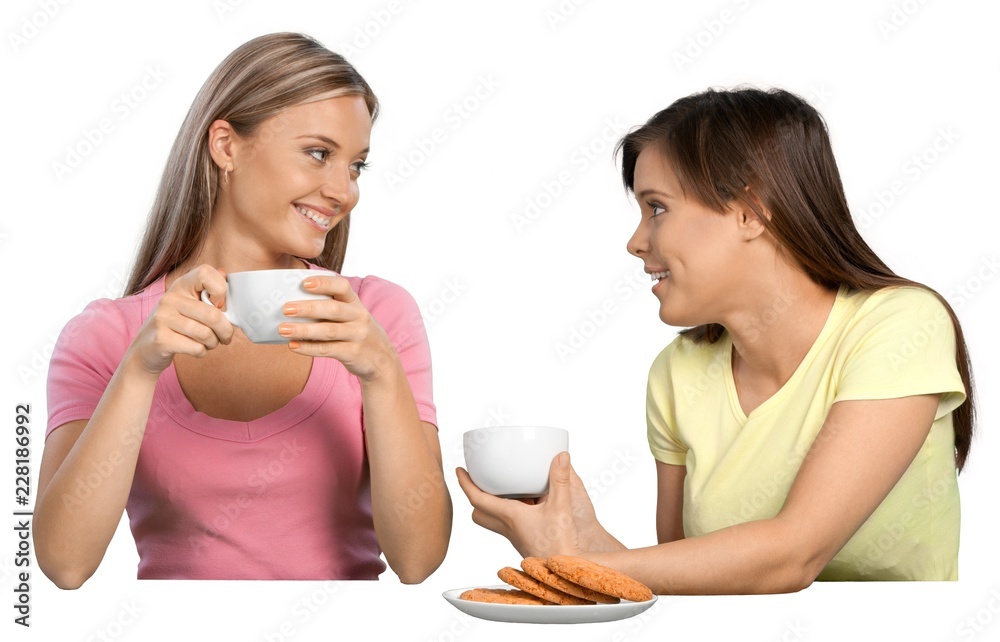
[(661, 424), (904, 345), (85, 356), (397, 312)]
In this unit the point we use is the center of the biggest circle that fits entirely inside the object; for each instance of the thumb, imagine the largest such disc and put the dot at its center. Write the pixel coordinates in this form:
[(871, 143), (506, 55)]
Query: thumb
[(559, 479)]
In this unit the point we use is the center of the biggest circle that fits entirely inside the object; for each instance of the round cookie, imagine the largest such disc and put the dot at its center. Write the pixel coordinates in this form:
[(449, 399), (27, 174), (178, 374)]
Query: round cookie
[(528, 584), (598, 578), (536, 568), (502, 596)]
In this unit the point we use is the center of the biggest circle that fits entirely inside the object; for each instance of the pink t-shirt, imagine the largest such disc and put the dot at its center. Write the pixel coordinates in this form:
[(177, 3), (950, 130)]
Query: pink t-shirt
[(286, 496)]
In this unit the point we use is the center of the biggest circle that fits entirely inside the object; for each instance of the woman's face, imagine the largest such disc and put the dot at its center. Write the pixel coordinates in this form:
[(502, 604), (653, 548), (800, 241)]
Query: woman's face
[(297, 176), (692, 252)]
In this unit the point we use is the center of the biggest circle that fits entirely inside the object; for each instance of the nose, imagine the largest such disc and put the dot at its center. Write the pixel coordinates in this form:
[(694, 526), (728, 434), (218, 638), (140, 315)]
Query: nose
[(338, 186), (638, 244)]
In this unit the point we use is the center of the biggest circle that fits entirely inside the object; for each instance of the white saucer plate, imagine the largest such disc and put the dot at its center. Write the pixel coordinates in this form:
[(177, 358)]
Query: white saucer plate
[(554, 614)]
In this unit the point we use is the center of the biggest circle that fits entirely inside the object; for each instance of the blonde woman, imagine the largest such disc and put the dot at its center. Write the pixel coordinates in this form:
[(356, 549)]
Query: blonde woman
[(238, 460)]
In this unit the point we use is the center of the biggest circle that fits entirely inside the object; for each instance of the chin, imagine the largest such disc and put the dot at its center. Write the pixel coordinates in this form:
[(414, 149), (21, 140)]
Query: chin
[(308, 250), (668, 318), (671, 321), (678, 318)]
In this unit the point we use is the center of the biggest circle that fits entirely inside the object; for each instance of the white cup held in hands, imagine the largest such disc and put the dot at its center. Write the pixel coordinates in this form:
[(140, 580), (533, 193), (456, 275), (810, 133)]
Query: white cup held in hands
[(254, 301)]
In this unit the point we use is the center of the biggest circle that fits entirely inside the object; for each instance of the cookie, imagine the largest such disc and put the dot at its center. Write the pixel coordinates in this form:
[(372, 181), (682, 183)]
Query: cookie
[(536, 568), (598, 578), (502, 596), (528, 584)]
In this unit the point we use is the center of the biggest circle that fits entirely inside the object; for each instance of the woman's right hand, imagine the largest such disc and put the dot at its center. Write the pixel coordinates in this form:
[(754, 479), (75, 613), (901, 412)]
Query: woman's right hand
[(182, 323), (71, 536), (562, 522)]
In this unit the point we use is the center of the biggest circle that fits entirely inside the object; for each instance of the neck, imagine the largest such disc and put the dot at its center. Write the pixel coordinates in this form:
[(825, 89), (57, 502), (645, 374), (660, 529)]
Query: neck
[(229, 251), (781, 321)]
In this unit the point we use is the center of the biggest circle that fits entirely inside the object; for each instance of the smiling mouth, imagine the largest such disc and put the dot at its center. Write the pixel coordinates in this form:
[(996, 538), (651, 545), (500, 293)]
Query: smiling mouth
[(658, 276), (315, 217)]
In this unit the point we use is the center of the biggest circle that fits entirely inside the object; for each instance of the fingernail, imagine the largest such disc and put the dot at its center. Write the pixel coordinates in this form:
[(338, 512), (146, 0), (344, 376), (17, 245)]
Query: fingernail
[(294, 345), (563, 459), (309, 284), (284, 330), (290, 309)]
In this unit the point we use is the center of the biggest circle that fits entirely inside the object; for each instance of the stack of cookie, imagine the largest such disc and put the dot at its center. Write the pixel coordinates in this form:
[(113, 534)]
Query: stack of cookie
[(562, 579)]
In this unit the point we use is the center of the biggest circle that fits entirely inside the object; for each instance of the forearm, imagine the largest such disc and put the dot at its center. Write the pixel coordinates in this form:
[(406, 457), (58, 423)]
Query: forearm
[(755, 557), (411, 507), (79, 509)]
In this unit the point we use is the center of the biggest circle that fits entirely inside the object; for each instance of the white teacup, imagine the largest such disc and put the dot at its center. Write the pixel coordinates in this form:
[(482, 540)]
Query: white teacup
[(513, 461), (254, 300)]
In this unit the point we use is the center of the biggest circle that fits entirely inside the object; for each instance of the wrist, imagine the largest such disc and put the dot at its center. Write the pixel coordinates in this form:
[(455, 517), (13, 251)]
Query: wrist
[(607, 543), (598, 540), (133, 369), (385, 370)]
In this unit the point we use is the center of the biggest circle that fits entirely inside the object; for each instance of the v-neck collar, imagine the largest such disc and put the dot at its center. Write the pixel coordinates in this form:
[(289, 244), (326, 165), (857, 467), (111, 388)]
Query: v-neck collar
[(320, 382), (783, 391)]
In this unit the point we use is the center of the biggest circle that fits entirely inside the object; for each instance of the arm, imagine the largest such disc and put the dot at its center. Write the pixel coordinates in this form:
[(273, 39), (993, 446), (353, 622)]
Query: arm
[(669, 502), (411, 507), (73, 527), (872, 440)]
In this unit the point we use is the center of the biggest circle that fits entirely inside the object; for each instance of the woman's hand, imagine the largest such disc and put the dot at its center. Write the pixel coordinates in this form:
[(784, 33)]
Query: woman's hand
[(182, 323), (71, 537), (403, 452), (346, 332), (561, 523)]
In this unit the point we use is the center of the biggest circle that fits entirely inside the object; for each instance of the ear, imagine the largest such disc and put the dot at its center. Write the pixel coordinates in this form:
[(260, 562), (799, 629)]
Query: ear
[(749, 223), (222, 141), (747, 220)]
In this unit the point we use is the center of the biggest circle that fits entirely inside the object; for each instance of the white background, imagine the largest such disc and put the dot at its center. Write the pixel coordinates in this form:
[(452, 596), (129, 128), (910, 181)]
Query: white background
[(499, 297)]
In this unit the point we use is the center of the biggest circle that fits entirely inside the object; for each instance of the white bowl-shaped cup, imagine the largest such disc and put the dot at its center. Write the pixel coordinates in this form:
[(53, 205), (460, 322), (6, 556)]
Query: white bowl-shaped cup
[(513, 461), (254, 300)]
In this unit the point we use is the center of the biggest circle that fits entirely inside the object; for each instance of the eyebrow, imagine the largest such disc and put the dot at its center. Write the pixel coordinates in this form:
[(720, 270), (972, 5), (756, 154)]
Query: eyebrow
[(646, 192), (329, 141)]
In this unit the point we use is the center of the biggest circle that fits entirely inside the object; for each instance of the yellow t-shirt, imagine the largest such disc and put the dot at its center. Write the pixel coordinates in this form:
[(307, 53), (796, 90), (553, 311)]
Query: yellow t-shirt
[(892, 343)]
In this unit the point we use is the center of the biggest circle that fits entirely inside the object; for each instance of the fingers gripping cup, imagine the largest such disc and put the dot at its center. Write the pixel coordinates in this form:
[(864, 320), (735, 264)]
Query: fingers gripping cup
[(254, 301), (513, 461)]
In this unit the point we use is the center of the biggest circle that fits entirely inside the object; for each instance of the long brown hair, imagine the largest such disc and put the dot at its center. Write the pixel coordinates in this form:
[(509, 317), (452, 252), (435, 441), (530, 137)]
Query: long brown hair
[(770, 150), (255, 82)]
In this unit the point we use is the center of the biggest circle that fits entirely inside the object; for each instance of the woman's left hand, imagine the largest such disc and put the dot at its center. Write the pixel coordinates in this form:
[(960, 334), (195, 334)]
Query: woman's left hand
[(346, 331)]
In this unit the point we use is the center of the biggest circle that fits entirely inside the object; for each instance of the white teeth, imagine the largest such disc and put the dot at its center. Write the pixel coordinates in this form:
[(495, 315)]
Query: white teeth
[(659, 275), (323, 221)]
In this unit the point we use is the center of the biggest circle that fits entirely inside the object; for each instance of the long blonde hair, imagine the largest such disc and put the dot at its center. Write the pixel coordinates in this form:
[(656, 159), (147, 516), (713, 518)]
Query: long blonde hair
[(255, 82)]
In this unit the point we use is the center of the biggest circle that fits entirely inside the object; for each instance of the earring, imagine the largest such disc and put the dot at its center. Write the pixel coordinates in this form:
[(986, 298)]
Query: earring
[(226, 176)]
